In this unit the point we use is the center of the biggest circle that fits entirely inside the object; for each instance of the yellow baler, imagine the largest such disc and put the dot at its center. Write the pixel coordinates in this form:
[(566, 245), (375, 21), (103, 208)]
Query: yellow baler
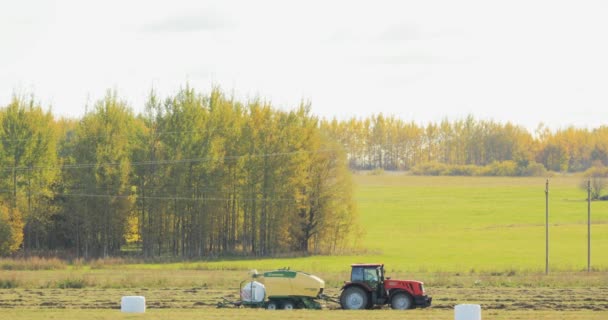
[(283, 283), (286, 289)]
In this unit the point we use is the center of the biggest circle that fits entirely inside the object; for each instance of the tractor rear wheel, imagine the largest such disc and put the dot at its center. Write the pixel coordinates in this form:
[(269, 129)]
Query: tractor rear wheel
[(401, 301), (353, 298)]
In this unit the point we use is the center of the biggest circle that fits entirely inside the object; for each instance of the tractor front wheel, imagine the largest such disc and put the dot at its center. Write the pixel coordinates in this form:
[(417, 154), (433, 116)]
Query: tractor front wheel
[(353, 298), (401, 301)]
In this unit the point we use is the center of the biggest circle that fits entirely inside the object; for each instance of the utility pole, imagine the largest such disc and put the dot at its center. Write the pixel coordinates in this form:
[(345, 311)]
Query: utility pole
[(589, 225), (547, 227)]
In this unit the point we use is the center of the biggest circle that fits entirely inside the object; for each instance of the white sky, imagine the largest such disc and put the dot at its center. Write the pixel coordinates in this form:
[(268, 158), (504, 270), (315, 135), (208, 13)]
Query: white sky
[(521, 61)]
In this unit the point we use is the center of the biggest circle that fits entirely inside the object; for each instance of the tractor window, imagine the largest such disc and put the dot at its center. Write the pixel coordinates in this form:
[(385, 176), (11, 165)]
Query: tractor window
[(371, 275), (357, 274)]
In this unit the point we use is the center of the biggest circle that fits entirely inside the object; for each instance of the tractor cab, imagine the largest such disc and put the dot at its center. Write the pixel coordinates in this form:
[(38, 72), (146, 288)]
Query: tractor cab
[(370, 278), (371, 275)]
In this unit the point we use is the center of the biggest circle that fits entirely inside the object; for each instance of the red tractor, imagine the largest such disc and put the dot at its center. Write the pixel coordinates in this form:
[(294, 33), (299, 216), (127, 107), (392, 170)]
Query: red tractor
[(368, 288)]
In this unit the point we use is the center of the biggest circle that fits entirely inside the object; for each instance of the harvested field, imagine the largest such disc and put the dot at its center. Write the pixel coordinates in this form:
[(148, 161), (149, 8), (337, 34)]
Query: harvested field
[(236, 314), (511, 299)]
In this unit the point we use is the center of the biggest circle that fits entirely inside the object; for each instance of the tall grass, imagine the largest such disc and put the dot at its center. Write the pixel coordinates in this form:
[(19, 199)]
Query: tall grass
[(33, 263), (71, 283), (38, 263), (111, 262), (9, 283), (227, 280)]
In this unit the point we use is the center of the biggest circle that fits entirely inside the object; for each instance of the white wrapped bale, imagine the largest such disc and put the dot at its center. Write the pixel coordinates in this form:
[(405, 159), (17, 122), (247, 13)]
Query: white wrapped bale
[(133, 304), (467, 312), (253, 292)]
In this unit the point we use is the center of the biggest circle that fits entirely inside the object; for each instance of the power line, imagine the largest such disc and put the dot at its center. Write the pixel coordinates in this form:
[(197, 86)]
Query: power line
[(155, 134), (168, 188), (251, 197), (166, 162), (186, 161), (89, 195)]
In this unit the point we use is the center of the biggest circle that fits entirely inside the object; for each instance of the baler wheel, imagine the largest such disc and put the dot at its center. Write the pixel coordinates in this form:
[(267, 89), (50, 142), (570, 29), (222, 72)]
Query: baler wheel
[(272, 305)]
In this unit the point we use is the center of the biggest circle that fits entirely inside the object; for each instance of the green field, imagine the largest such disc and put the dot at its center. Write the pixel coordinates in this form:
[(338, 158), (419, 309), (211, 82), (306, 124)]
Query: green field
[(469, 225), (464, 224), (470, 239), (481, 223)]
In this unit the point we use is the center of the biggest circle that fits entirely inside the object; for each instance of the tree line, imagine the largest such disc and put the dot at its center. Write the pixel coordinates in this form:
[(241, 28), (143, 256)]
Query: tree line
[(197, 175), (462, 146), (194, 175)]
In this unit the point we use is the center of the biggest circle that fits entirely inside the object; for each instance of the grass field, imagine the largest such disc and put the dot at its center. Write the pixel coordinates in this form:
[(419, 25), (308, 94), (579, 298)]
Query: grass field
[(481, 223), (471, 239), (463, 224), (420, 224)]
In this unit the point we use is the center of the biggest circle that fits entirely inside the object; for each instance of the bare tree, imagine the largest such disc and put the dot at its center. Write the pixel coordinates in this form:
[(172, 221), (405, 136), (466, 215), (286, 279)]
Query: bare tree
[(597, 176)]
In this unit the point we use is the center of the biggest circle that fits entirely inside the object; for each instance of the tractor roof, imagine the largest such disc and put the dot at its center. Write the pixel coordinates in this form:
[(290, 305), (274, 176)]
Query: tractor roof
[(367, 265)]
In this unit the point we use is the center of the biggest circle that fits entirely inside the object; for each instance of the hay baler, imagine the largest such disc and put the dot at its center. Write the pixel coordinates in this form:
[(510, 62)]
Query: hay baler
[(281, 289)]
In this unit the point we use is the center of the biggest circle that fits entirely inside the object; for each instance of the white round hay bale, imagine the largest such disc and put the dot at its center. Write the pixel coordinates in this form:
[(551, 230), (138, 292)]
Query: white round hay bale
[(253, 292), (467, 312), (135, 304)]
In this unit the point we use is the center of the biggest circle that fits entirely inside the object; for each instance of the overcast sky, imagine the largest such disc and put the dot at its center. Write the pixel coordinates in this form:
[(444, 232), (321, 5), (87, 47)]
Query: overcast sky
[(521, 61)]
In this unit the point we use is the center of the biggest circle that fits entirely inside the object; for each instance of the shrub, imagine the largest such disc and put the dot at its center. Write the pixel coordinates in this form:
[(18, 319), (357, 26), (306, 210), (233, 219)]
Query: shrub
[(500, 169), (507, 168), (377, 172), (71, 284), (534, 169), (464, 170), (105, 263), (596, 171), (429, 169), (597, 175), (8, 283)]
